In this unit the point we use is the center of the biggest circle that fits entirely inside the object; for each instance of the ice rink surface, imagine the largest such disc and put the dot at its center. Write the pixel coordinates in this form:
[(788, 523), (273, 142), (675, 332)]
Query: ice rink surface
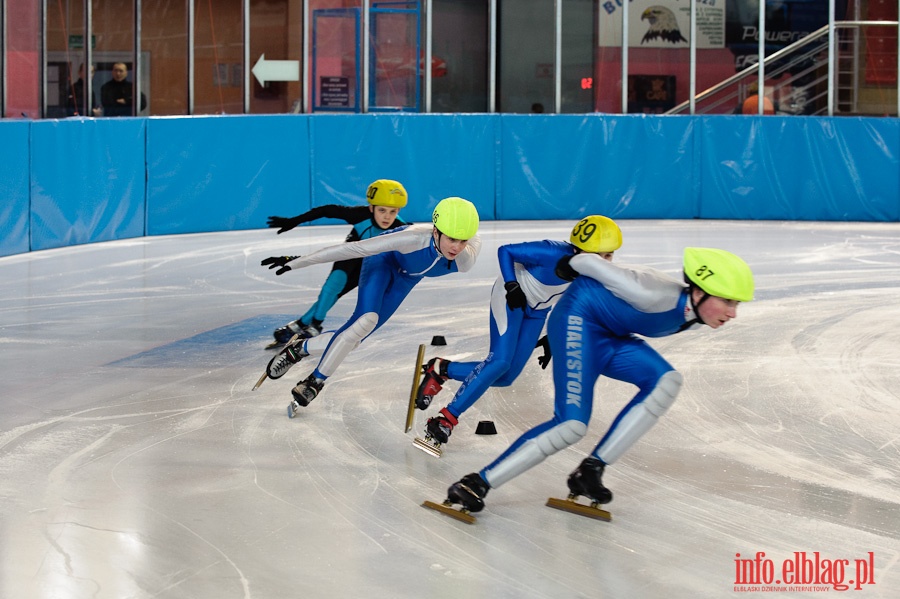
[(136, 462)]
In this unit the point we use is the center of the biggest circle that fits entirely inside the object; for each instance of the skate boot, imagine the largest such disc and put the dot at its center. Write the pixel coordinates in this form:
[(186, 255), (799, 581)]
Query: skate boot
[(469, 491), (435, 375), (586, 480), (292, 353), (304, 331), (439, 427), (305, 391)]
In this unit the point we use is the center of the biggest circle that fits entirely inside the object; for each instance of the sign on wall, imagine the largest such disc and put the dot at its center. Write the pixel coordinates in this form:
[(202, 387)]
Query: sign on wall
[(663, 23)]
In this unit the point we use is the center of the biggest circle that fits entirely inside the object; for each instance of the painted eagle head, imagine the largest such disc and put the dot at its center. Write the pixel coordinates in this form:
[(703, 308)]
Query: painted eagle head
[(663, 25)]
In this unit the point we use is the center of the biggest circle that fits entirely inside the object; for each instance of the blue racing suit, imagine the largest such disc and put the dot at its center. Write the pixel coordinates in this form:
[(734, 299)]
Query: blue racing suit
[(514, 332), (344, 275), (593, 331), (393, 264)]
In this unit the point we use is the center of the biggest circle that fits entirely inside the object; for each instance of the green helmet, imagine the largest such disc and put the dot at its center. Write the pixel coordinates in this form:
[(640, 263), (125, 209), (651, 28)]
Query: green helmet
[(719, 273), (596, 234), (456, 218)]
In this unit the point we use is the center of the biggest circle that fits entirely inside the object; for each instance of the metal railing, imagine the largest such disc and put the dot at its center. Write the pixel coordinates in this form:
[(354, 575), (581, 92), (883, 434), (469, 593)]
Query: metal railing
[(806, 88)]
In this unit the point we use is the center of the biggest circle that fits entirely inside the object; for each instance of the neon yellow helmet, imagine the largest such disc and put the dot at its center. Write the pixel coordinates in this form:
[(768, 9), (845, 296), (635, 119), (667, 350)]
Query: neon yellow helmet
[(596, 234), (719, 273), (456, 218), (386, 192)]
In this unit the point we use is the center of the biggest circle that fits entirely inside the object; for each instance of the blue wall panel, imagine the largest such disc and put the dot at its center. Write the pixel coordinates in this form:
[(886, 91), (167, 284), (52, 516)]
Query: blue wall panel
[(225, 173), (433, 156), (566, 166), (83, 180), (87, 181), (799, 168), (14, 188)]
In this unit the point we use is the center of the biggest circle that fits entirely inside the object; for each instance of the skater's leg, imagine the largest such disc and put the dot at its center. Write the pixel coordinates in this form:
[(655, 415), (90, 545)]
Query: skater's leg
[(328, 295), (495, 365), (529, 333), (658, 386), (581, 353), (381, 291)]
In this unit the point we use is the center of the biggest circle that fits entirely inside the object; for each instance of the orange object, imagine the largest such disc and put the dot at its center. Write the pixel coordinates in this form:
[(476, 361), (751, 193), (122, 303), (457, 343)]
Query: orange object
[(751, 105)]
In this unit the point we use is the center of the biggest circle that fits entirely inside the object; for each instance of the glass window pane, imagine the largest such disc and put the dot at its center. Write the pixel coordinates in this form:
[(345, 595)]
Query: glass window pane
[(579, 18), (526, 56), (459, 49), (164, 43), (23, 71), (276, 32), (395, 54), (218, 58), (335, 56), (66, 83), (113, 29)]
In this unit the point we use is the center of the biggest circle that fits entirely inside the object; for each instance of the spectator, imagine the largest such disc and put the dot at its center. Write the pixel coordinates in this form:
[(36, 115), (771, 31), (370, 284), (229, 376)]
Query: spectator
[(75, 101), (117, 95)]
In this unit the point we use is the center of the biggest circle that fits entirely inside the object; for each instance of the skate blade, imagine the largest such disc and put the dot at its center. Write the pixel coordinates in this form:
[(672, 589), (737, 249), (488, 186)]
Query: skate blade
[(417, 376), (273, 345), (429, 447), (588, 511), (261, 380), (460, 514)]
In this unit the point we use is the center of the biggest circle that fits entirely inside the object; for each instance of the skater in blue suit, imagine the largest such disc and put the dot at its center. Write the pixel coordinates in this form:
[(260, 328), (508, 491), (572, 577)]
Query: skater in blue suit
[(385, 199), (521, 299), (393, 264), (593, 331)]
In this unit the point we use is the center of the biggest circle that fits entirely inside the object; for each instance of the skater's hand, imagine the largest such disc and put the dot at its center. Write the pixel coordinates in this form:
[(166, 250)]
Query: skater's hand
[(284, 224), (564, 270), (515, 297), (545, 359), (279, 262)]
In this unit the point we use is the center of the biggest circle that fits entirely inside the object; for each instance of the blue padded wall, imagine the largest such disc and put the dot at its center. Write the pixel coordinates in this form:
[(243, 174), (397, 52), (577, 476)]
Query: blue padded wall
[(224, 173), (799, 168), (14, 197), (87, 181), (434, 156), (83, 180), (563, 166)]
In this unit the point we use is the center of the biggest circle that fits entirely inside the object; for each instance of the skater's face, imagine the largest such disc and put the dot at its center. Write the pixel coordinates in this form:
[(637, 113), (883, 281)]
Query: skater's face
[(449, 247), (384, 216), (715, 311)]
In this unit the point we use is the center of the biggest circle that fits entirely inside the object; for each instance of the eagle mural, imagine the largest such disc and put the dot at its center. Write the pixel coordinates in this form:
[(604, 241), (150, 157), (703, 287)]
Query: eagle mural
[(663, 25)]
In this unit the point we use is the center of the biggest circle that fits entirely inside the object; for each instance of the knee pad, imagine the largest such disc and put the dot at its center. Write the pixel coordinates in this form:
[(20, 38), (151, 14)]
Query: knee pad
[(533, 451), (663, 395), (345, 342)]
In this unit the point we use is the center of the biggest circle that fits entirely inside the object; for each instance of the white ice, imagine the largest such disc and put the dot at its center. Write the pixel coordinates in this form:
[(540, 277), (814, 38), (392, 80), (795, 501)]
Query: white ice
[(135, 461)]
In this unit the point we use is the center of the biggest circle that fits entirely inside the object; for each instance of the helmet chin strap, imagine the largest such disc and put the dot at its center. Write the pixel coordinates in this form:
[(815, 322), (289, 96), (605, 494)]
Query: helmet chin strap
[(696, 308)]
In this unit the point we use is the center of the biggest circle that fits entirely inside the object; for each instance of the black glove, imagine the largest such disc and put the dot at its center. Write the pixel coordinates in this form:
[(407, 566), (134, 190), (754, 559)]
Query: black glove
[(515, 297), (284, 224), (279, 262), (545, 359), (564, 270)]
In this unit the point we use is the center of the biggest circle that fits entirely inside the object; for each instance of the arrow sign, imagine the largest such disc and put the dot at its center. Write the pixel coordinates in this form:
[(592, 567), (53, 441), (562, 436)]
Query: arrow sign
[(276, 70)]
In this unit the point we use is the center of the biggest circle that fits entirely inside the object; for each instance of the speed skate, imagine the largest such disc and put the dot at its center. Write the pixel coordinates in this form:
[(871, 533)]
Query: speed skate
[(429, 445), (570, 504), (446, 508)]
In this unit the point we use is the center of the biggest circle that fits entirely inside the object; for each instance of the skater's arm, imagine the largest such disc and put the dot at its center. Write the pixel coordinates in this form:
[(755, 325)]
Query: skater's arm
[(644, 288), (530, 254), (400, 240), (349, 214)]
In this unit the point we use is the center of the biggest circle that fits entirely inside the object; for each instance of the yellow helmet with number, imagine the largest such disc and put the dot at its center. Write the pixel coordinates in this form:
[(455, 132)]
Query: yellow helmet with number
[(719, 273), (456, 218), (386, 192), (596, 234)]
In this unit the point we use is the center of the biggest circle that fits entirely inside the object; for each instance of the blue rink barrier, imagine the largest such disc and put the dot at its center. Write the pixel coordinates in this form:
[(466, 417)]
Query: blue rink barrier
[(79, 180)]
